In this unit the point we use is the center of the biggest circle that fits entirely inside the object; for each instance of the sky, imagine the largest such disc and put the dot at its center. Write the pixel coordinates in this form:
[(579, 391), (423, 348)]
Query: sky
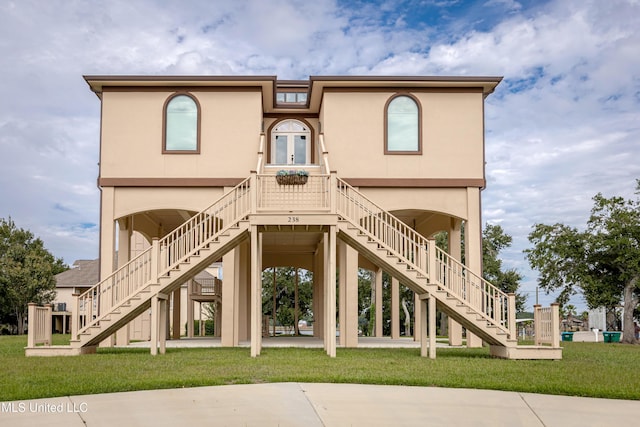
[(563, 125)]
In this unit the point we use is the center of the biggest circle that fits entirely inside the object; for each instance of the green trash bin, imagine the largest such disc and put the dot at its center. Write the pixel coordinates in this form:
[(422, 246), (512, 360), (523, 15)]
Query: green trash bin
[(567, 336), (611, 336)]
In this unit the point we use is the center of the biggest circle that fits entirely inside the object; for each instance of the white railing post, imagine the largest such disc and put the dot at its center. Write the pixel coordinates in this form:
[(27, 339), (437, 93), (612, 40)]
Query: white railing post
[(155, 259), (253, 188), (511, 316), (431, 255), (555, 325), (536, 323), (333, 192), (75, 316), (31, 325), (48, 313)]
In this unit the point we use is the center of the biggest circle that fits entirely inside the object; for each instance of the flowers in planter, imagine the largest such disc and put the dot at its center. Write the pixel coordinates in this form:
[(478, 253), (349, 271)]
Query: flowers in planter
[(292, 177)]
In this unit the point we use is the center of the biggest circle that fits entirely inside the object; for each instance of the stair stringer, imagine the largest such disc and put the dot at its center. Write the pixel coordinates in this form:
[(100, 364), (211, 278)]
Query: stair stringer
[(422, 285), (140, 301)]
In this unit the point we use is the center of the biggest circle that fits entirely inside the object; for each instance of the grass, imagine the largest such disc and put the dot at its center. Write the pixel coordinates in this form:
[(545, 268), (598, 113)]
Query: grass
[(587, 369)]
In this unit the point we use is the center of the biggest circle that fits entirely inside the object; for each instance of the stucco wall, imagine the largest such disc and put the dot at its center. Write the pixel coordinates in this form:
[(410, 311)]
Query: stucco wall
[(452, 136), (132, 124)]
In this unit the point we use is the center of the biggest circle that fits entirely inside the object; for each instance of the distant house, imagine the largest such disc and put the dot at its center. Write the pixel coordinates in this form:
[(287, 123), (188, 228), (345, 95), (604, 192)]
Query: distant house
[(82, 275)]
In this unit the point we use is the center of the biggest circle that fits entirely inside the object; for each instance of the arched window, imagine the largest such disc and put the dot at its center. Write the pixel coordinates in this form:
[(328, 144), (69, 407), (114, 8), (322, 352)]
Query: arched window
[(402, 126), (181, 125), (290, 143)]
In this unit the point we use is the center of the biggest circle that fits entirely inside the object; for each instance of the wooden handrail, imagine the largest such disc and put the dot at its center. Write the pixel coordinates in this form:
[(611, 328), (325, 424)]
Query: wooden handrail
[(402, 241), (176, 247)]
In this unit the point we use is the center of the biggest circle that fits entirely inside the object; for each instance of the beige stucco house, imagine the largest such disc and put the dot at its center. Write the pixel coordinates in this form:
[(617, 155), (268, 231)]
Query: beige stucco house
[(380, 165)]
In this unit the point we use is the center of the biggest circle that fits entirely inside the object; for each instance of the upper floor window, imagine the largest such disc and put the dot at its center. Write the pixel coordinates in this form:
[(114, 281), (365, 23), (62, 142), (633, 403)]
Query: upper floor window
[(181, 125), (402, 126)]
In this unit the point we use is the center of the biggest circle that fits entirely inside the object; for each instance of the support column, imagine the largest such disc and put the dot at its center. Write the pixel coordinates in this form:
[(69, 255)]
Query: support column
[(330, 292), (158, 323), (176, 314), (122, 336), (244, 294), (348, 282), (395, 309), (163, 323), (190, 317), (256, 292), (417, 313), (230, 299), (379, 332), (473, 246), (428, 326), (318, 291), (455, 250), (424, 342), (217, 331), (107, 242)]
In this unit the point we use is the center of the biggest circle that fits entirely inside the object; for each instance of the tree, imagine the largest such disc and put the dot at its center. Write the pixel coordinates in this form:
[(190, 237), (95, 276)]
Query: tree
[(494, 240), (603, 261), (27, 271), (284, 301)]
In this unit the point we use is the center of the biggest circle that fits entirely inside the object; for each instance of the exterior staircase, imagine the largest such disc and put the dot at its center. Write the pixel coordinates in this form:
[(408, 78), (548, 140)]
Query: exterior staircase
[(162, 268), (465, 296), (427, 270)]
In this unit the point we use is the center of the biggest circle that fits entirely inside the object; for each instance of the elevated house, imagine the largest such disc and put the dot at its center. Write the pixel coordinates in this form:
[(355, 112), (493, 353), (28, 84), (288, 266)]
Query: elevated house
[(328, 174)]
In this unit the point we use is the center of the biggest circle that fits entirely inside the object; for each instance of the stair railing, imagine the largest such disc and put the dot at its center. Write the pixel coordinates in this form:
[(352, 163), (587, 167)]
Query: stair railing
[(163, 256), (402, 241)]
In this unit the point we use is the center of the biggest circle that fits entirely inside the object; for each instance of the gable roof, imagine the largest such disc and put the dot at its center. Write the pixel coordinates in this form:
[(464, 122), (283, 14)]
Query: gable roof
[(83, 273)]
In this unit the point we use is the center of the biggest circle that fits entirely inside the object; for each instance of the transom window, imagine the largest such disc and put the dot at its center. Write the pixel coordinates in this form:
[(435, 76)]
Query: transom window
[(402, 125), (181, 125), (291, 143), (291, 97)]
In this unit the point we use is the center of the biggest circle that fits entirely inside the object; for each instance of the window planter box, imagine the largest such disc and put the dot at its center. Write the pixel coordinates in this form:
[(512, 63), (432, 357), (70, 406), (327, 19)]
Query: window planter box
[(291, 179)]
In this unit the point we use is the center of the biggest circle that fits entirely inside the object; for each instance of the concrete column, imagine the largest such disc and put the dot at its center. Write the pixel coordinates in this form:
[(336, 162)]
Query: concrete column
[(379, 332), (455, 250), (395, 308), (190, 318), (348, 280), (256, 292), (244, 287), (432, 327), (424, 342), (473, 246), (155, 324), (107, 241), (330, 291), (162, 323), (230, 299), (417, 313), (176, 314), (318, 291), (217, 329), (124, 256)]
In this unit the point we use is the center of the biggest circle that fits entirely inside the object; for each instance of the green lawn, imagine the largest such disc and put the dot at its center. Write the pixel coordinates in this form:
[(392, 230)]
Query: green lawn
[(587, 369)]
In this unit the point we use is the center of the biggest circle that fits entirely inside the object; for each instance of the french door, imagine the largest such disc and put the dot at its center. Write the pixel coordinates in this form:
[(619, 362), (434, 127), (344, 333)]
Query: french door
[(290, 143)]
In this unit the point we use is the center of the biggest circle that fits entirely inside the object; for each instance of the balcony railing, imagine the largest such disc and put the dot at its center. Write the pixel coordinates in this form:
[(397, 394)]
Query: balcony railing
[(312, 196)]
